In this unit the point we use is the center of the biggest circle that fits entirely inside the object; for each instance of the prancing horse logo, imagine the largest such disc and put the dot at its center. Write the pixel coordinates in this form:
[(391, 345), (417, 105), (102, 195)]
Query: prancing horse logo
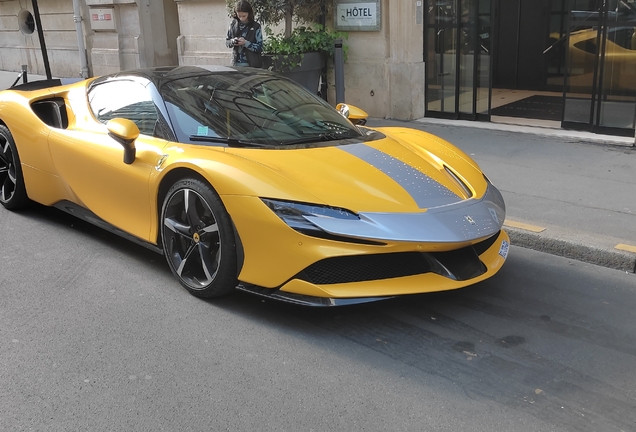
[(470, 220)]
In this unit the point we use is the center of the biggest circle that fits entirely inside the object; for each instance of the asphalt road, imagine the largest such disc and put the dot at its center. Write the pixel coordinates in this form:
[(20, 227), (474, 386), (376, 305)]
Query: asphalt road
[(96, 335)]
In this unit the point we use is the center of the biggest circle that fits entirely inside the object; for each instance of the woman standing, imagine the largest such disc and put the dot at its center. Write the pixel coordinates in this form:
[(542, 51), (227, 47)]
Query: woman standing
[(245, 37)]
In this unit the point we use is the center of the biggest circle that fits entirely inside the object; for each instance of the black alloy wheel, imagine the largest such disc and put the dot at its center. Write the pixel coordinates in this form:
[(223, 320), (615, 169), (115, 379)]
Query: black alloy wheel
[(198, 239), (13, 194)]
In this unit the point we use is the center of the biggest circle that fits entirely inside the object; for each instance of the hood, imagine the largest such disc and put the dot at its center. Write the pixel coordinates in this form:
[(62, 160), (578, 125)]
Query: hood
[(393, 174)]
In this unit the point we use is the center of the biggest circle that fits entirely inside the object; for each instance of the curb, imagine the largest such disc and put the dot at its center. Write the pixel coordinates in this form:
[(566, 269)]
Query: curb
[(602, 256), (557, 132)]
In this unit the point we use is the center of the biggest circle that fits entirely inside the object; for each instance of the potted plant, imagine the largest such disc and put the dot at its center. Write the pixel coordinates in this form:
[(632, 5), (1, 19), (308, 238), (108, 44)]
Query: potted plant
[(299, 53), (300, 56)]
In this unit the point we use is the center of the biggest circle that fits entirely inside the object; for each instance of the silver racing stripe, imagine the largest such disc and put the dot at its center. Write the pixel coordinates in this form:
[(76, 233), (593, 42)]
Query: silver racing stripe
[(468, 220), (426, 192)]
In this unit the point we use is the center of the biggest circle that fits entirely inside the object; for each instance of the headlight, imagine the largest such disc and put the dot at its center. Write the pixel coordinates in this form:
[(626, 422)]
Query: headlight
[(294, 214)]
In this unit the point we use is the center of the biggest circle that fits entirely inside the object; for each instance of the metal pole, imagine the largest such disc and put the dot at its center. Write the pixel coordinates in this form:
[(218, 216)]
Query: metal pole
[(22, 75), (77, 17), (38, 23), (323, 73), (338, 62)]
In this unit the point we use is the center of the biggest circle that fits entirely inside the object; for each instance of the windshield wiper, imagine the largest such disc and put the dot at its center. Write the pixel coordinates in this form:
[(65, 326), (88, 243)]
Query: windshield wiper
[(327, 136), (231, 142)]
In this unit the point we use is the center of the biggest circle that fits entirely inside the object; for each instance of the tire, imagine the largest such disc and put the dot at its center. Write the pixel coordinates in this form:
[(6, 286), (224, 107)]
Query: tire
[(13, 194), (198, 239)]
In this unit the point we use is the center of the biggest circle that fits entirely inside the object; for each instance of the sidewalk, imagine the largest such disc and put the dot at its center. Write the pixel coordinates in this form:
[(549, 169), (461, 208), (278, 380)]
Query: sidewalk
[(567, 193)]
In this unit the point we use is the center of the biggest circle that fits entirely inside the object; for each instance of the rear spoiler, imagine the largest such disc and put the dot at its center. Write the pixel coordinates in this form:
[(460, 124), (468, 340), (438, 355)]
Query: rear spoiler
[(37, 85)]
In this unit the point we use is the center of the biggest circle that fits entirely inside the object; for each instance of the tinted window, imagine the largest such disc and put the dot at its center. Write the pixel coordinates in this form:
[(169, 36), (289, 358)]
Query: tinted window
[(124, 99), (259, 108)]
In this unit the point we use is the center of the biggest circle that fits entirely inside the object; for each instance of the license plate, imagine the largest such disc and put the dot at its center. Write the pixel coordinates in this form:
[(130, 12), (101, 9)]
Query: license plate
[(503, 250)]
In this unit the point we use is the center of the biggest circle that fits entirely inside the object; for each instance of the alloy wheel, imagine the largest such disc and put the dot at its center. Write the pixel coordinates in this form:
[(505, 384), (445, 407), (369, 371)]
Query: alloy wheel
[(13, 194), (191, 238), (7, 170)]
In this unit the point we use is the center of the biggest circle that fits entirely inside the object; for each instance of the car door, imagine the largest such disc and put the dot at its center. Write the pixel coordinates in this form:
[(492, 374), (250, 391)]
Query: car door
[(91, 165)]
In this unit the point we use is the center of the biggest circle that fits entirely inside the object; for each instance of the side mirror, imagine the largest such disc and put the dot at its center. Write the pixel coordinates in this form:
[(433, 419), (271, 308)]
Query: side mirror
[(355, 114), (125, 132)]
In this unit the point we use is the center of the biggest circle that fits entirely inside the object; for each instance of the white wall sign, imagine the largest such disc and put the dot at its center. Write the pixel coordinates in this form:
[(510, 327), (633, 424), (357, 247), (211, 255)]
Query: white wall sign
[(358, 16), (102, 19)]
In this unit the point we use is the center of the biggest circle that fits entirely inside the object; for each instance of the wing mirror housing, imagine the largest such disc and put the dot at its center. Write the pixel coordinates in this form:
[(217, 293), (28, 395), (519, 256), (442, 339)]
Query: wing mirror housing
[(125, 132), (353, 113)]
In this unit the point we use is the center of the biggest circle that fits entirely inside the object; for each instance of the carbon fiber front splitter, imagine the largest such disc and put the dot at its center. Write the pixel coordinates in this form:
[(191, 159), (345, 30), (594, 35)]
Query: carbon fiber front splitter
[(304, 300)]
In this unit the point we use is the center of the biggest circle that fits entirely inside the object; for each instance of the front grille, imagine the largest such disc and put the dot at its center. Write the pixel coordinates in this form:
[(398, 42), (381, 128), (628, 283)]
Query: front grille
[(484, 245), (461, 264), (365, 267)]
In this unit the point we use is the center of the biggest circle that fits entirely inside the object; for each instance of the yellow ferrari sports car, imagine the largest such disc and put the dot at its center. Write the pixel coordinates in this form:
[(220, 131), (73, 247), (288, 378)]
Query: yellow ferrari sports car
[(244, 180)]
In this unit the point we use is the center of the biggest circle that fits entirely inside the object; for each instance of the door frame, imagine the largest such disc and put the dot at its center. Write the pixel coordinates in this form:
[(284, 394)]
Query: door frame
[(598, 78), (456, 25)]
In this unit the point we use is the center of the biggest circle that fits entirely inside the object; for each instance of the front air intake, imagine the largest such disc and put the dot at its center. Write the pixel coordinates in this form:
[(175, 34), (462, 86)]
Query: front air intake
[(461, 264)]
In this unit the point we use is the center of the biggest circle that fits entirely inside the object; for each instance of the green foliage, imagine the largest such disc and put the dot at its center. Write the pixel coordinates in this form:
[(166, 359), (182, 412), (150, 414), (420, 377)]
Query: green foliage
[(302, 40), (292, 44), (276, 11)]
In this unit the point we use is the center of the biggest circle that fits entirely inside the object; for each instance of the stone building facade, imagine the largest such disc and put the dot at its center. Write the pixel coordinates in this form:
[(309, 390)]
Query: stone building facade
[(384, 72)]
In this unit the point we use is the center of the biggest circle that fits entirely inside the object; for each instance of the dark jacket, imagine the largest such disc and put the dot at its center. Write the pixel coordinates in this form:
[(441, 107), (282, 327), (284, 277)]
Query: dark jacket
[(250, 53)]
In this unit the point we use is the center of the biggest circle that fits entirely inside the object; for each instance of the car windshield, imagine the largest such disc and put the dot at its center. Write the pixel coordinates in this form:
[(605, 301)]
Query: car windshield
[(252, 109)]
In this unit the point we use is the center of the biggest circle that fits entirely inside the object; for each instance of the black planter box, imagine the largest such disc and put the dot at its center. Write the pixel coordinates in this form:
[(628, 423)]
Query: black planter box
[(306, 74)]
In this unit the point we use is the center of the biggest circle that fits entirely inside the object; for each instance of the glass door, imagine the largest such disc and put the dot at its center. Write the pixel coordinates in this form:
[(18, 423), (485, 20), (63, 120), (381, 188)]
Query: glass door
[(457, 55), (600, 92)]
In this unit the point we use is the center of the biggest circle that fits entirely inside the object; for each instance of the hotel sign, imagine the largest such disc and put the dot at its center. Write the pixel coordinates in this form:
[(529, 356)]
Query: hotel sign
[(357, 15)]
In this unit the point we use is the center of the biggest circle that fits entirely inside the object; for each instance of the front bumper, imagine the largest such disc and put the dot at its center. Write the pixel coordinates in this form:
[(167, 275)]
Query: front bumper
[(433, 272)]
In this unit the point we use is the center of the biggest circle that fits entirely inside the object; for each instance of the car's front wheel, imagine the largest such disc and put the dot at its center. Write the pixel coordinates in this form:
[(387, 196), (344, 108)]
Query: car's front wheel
[(198, 239), (12, 190)]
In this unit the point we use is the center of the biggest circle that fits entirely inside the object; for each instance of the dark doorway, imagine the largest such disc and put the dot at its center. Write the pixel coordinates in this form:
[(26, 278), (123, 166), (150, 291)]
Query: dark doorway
[(523, 32), (529, 59), (601, 68), (562, 63), (457, 54)]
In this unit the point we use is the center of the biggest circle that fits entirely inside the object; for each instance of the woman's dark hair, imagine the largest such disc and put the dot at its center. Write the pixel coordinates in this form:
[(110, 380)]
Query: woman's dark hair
[(244, 6)]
